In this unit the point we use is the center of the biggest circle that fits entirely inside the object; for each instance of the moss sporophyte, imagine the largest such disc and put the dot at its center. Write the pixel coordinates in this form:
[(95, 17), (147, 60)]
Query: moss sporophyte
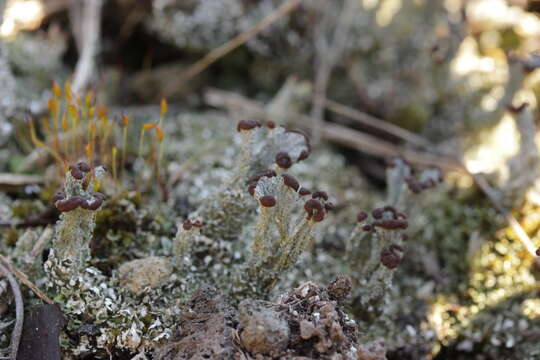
[(78, 129)]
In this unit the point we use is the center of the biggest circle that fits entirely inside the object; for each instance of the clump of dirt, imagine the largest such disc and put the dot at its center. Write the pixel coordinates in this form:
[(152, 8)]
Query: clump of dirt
[(307, 322), (207, 330), (263, 330), (320, 329)]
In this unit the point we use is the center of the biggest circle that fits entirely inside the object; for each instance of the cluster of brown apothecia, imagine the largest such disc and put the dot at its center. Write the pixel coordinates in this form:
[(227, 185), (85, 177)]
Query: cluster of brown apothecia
[(188, 224), (315, 208), (386, 218), (81, 172)]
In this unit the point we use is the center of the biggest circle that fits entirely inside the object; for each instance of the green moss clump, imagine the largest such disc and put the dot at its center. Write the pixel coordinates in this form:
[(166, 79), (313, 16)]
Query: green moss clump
[(411, 116)]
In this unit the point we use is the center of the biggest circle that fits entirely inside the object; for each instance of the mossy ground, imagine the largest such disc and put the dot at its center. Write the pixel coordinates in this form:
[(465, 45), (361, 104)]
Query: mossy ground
[(461, 264)]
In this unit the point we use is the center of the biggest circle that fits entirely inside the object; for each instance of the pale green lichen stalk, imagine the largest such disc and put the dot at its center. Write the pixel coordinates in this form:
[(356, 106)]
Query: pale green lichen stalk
[(282, 232), (78, 204), (227, 210), (377, 246), (186, 236)]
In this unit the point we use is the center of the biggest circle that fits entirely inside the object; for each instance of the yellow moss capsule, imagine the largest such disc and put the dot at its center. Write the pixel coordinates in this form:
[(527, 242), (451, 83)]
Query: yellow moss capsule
[(88, 98), (125, 120), (64, 123), (148, 126), (72, 110), (52, 104), (159, 134), (89, 149), (164, 106), (102, 112), (57, 91), (67, 90)]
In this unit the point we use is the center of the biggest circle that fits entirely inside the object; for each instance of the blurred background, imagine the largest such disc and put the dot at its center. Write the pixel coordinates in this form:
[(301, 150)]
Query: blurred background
[(451, 83), (442, 69)]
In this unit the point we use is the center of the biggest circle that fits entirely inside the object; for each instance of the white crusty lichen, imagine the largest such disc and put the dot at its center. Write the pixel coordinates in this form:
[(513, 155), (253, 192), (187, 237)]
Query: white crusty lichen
[(102, 309), (78, 203), (135, 304)]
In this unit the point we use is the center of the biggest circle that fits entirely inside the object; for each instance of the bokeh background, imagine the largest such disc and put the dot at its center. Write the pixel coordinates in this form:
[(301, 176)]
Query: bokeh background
[(451, 83)]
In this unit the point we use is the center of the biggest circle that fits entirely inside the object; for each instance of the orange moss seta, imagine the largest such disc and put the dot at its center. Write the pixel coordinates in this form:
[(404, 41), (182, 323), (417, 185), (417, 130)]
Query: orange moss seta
[(159, 134), (80, 128), (148, 126)]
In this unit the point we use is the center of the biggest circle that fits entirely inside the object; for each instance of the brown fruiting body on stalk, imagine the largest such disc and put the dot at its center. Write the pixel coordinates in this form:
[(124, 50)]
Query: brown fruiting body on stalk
[(320, 195), (267, 201), (390, 257), (314, 209), (76, 172), (244, 125), (361, 216), (283, 160), (290, 181)]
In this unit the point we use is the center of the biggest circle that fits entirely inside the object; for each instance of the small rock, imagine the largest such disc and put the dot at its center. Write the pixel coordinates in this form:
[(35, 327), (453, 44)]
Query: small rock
[(374, 350), (150, 272), (336, 333), (307, 329), (263, 330)]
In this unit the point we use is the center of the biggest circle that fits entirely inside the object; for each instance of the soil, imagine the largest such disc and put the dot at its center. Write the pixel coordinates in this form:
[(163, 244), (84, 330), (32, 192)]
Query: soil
[(307, 322)]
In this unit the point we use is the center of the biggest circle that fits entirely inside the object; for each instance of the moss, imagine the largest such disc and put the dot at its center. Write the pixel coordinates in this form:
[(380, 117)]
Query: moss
[(11, 236), (46, 193), (509, 40), (412, 116), (24, 209)]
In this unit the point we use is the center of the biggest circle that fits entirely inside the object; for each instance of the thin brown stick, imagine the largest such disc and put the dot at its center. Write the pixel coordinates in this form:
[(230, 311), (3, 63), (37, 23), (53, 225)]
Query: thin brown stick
[(217, 53), (375, 123), (514, 224), (19, 312), (374, 146), (337, 133), (43, 240), (18, 180), (24, 279)]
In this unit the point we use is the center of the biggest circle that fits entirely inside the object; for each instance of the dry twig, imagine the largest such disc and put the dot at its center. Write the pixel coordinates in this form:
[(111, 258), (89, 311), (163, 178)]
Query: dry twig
[(24, 279), (235, 42), (375, 123), (43, 240), (9, 181), (336, 133), (19, 311)]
